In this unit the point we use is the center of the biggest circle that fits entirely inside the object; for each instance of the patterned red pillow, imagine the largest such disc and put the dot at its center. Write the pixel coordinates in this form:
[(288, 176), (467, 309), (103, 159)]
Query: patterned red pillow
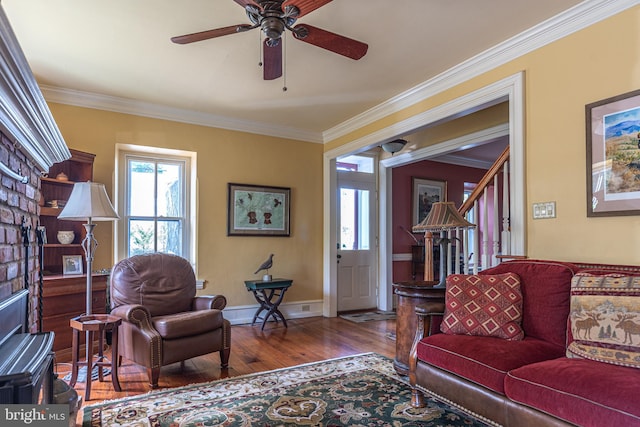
[(485, 305)]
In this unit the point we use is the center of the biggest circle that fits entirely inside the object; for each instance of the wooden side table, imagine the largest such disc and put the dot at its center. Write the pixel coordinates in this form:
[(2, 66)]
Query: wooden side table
[(90, 325), (411, 294), (264, 293)]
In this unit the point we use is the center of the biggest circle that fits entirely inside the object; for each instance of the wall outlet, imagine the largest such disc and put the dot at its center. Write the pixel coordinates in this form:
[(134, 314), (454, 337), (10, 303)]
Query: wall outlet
[(544, 210), (305, 307)]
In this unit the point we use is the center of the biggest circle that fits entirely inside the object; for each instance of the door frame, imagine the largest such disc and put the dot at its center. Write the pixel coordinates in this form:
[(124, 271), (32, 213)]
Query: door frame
[(371, 183), (509, 89)]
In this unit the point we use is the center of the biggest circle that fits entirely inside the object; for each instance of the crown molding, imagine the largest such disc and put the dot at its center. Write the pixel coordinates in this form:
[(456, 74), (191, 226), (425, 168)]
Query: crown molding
[(577, 18), (162, 112)]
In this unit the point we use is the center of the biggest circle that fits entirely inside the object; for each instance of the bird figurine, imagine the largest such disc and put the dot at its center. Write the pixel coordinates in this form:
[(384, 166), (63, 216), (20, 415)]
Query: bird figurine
[(266, 266)]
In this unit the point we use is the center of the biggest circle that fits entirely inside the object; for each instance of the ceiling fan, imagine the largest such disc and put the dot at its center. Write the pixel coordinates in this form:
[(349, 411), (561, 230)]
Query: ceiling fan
[(273, 17)]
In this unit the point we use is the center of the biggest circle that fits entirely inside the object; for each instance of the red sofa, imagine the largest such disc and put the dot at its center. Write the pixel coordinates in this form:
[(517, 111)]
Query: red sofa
[(532, 381)]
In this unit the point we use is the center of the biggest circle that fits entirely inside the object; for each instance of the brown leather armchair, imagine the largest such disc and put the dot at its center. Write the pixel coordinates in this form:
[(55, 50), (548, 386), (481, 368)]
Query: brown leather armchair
[(163, 320)]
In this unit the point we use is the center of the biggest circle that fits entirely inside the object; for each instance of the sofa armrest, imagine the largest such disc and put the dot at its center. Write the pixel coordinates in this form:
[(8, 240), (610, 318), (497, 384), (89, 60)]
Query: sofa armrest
[(426, 313), (208, 302)]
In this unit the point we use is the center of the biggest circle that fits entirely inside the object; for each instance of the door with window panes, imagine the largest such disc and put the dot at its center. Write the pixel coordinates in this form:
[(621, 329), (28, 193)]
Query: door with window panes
[(356, 255)]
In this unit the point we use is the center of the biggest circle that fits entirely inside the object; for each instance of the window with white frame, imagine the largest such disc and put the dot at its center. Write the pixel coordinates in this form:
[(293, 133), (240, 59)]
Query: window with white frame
[(155, 200)]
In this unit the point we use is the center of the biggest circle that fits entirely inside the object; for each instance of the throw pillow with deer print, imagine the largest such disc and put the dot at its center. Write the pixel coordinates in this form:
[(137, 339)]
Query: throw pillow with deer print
[(605, 318)]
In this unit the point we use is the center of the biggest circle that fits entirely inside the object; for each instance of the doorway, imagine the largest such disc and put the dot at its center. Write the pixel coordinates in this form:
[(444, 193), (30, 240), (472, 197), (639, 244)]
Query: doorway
[(510, 89), (356, 256)]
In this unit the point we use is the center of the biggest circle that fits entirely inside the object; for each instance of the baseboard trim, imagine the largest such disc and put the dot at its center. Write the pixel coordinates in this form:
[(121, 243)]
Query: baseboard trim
[(243, 314)]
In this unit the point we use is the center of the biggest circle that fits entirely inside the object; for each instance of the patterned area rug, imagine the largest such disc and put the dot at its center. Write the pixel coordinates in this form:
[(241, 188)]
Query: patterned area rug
[(361, 390), (369, 316)]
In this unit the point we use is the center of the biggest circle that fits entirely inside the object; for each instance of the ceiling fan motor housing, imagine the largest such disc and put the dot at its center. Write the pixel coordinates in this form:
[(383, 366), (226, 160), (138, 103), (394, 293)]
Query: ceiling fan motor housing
[(272, 27)]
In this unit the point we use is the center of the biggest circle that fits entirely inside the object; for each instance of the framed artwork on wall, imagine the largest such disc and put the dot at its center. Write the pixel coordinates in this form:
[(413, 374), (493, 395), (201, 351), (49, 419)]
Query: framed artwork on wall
[(258, 210), (613, 156), (425, 193)]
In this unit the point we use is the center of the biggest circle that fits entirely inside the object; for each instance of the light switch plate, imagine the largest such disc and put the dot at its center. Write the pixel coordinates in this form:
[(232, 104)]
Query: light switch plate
[(544, 210)]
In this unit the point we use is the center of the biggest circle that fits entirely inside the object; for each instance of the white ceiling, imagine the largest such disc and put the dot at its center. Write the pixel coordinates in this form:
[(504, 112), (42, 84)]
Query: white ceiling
[(120, 52)]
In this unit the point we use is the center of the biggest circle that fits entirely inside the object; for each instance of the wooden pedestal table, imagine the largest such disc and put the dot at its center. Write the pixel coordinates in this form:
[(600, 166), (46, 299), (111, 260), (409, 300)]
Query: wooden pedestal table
[(269, 295), (90, 325), (411, 294)]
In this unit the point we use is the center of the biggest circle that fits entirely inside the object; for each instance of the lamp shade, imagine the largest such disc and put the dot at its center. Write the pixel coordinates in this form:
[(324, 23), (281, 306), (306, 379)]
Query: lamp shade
[(443, 216), (88, 201)]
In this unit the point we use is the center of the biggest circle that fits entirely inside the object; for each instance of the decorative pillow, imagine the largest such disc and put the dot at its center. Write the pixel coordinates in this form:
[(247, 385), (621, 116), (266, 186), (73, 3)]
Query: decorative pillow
[(485, 305), (605, 318)]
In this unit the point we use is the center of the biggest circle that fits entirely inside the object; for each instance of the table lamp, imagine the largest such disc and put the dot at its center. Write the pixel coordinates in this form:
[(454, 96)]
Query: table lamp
[(89, 202), (442, 216)]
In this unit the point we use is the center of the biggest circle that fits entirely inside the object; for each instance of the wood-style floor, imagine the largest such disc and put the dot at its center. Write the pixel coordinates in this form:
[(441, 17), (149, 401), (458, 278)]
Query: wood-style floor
[(253, 350)]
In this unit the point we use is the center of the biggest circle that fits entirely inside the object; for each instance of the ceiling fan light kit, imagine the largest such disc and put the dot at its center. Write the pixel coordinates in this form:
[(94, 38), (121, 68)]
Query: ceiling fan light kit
[(274, 17)]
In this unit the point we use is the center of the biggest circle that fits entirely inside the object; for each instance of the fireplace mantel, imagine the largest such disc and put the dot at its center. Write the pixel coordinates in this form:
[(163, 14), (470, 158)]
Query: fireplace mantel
[(24, 115)]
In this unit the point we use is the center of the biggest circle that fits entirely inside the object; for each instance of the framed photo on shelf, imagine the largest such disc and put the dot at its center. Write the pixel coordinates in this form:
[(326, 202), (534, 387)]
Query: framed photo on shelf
[(71, 264), (613, 156), (425, 193), (258, 210)]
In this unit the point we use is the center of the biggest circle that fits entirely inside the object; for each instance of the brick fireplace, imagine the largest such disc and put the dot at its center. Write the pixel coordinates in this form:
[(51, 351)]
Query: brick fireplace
[(18, 209)]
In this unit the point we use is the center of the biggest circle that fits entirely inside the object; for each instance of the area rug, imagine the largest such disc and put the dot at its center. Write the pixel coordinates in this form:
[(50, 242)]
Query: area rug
[(369, 316), (362, 390)]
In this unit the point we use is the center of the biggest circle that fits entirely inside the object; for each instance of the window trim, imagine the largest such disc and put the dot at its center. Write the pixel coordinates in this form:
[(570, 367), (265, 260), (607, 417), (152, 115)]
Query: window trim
[(190, 232)]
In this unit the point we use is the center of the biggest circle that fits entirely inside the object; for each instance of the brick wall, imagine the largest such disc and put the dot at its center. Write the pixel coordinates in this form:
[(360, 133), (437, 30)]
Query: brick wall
[(19, 205)]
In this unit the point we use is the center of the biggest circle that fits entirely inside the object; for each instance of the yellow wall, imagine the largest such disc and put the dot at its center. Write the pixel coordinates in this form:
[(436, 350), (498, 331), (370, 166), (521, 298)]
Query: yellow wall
[(593, 64), (223, 157), (560, 79)]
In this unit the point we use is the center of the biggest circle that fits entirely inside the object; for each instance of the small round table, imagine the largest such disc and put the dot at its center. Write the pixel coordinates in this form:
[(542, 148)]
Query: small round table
[(266, 300), (90, 325)]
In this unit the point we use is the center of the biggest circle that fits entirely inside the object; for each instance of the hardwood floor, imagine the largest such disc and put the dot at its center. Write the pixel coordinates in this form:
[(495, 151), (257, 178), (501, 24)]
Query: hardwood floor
[(252, 350)]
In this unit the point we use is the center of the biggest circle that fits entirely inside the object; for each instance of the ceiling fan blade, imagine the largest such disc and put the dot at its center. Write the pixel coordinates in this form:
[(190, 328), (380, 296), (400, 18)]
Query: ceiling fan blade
[(272, 60), (245, 3), (327, 40), (305, 6), (210, 34)]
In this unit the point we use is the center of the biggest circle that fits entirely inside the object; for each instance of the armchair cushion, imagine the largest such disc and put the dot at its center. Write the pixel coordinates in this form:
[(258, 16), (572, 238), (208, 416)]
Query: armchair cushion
[(188, 323), (163, 283)]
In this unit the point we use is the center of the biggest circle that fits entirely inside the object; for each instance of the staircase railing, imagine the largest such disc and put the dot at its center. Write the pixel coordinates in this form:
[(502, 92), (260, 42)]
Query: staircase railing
[(488, 207)]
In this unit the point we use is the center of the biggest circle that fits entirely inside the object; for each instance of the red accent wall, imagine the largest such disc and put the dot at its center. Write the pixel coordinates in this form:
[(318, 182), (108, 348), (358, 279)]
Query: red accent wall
[(402, 187)]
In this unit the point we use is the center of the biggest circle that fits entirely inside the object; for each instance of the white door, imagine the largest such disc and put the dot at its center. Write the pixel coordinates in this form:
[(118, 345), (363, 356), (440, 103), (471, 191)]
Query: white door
[(356, 255)]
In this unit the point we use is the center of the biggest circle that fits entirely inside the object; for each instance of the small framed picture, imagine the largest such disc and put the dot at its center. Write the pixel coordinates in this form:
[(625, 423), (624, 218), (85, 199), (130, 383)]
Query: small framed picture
[(71, 264), (425, 193)]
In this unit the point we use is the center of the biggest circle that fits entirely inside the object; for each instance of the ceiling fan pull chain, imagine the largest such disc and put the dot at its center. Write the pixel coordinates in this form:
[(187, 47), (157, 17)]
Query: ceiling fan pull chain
[(284, 60), (260, 48)]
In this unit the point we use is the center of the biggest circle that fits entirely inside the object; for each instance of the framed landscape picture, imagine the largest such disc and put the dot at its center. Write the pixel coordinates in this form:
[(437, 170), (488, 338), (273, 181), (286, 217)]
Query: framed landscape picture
[(613, 155), (425, 193), (258, 210)]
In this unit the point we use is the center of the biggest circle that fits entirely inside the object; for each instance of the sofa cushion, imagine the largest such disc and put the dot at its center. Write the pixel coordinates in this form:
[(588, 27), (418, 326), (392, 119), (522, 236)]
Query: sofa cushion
[(484, 305), (605, 318), (580, 391), (484, 360), (545, 289), (188, 323)]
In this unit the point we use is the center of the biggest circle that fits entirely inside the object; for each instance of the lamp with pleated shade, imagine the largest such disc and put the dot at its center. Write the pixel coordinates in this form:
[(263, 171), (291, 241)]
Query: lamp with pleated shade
[(442, 217), (89, 202)]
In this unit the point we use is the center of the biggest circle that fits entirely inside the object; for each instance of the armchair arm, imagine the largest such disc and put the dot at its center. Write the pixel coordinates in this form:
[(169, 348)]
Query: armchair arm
[(137, 329), (208, 302)]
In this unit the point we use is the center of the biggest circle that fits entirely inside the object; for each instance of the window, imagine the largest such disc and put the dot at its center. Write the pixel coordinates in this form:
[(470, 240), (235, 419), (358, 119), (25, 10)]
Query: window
[(155, 203)]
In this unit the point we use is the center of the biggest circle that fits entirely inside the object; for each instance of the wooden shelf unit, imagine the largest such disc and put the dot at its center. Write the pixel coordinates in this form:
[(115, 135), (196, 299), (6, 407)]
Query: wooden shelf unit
[(64, 296)]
